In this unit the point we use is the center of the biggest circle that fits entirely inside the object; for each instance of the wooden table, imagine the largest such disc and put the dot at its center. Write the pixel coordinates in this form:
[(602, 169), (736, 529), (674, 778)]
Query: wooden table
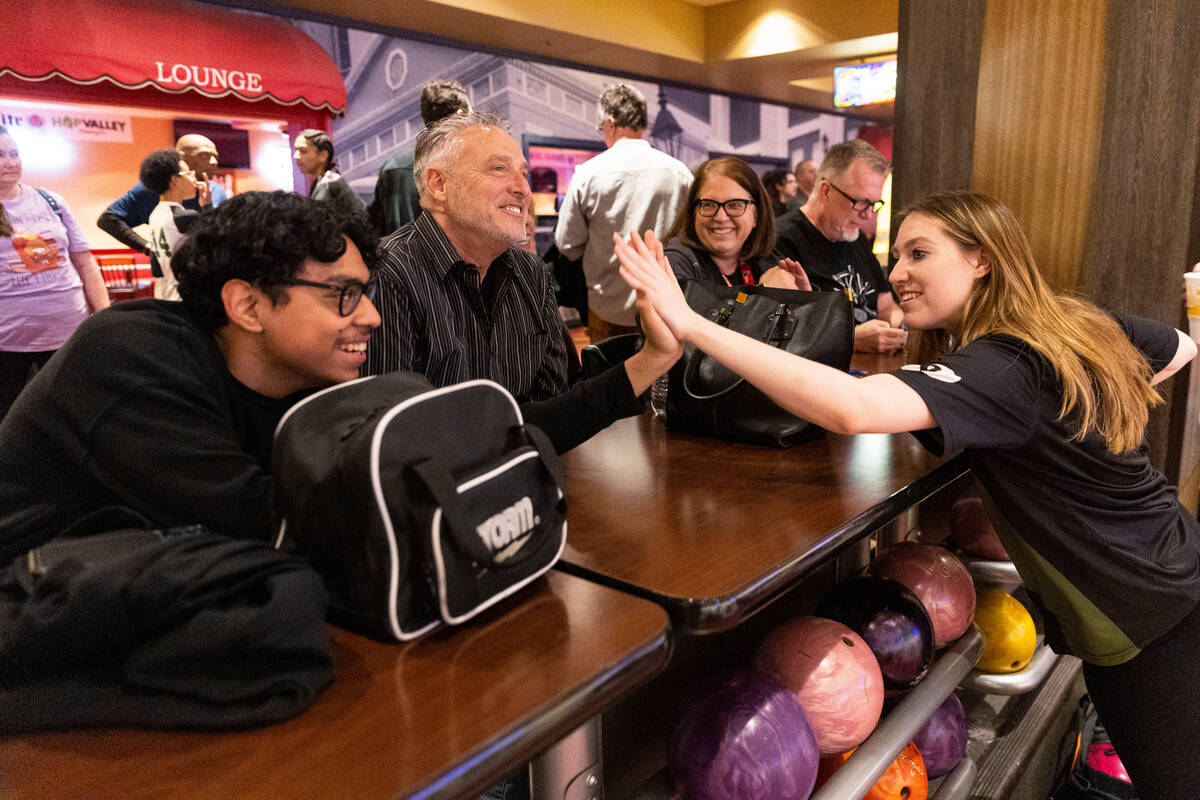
[(444, 716), (713, 530)]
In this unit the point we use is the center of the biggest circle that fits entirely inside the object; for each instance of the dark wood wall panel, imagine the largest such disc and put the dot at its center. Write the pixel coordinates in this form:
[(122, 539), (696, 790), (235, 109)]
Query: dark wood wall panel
[(1144, 230), (1037, 122), (1082, 115), (935, 96)]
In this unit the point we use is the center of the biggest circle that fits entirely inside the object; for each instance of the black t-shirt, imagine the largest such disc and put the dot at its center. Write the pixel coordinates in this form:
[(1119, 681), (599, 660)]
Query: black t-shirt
[(697, 265), (848, 267), (1099, 538), (137, 411)]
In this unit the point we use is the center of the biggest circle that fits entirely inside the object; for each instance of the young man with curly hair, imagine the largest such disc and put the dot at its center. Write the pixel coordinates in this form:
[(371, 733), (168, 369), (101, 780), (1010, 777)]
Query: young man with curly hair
[(162, 414)]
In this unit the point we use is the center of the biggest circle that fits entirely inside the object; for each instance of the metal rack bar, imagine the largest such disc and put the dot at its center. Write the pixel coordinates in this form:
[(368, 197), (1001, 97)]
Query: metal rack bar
[(874, 755), (957, 785)]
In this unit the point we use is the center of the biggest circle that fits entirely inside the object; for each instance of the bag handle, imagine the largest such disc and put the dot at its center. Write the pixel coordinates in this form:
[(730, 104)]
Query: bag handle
[(441, 485), (783, 326)]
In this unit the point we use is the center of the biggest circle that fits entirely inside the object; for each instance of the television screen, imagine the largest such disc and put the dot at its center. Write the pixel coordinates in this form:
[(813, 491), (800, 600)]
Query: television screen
[(863, 84), (550, 169), (233, 145)]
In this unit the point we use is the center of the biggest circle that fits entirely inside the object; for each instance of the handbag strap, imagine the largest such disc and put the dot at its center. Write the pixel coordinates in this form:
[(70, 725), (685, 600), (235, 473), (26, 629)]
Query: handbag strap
[(783, 325)]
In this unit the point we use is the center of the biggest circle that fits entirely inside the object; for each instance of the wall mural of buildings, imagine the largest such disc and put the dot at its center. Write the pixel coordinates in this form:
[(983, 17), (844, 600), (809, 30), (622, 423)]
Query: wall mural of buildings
[(384, 76)]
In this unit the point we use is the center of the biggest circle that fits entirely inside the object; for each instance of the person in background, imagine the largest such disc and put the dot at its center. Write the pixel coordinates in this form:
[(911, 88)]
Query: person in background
[(825, 236), (396, 200), (806, 181), (529, 245), (314, 158), (133, 208), (724, 233), (49, 282), (163, 171), (1047, 397), (629, 187), (781, 188)]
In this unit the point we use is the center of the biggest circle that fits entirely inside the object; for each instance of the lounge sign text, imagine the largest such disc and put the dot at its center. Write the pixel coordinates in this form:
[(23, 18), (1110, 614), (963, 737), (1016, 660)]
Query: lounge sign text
[(210, 79)]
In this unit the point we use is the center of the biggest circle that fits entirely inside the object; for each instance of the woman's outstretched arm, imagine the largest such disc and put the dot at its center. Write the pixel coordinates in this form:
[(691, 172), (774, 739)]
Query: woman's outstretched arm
[(829, 397)]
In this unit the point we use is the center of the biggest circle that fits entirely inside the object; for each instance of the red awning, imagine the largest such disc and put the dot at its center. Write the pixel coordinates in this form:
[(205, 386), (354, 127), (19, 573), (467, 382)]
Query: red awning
[(173, 46)]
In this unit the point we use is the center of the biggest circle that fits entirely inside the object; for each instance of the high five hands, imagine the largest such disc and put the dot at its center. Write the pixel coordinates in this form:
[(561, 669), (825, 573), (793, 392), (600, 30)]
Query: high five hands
[(645, 268)]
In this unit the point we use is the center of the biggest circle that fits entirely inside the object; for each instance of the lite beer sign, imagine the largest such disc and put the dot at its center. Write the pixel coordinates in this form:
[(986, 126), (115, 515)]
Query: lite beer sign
[(209, 79), (78, 124)]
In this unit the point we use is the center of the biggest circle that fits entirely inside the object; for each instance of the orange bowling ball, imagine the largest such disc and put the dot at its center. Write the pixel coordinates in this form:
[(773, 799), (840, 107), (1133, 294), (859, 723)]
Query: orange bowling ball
[(905, 778)]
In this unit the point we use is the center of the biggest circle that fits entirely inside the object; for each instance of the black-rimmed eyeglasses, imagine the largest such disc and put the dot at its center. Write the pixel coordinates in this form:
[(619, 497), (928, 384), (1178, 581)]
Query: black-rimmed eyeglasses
[(348, 293), (859, 205), (734, 208)]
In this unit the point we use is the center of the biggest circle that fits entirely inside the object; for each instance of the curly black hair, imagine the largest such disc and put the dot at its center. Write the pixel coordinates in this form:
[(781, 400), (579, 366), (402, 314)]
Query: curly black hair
[(262, 238), (158, 168)]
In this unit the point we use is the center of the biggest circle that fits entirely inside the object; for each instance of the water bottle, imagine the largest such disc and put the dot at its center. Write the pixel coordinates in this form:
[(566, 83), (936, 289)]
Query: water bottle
[(658, 396)]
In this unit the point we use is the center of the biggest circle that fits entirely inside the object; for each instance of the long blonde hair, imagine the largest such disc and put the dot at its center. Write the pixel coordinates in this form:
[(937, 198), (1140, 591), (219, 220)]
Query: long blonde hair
[(1105, 379)]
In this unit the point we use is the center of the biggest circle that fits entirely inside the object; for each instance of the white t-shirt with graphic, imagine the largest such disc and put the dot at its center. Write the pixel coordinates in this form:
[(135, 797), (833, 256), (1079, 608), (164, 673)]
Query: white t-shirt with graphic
[(41, 294)]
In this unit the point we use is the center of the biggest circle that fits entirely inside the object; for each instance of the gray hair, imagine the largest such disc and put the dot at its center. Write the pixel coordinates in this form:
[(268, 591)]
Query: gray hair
[(841, 156), (625, 106), (440, 143)]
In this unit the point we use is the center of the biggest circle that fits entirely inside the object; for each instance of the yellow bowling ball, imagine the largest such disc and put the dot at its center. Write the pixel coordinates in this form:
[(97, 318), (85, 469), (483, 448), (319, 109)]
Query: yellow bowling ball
[(1009, 637)]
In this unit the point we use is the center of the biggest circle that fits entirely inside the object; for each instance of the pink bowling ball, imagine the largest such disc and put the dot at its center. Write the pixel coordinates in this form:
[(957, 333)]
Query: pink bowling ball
[(834, 675), (971, 529), (939, 579), (1104, 758)]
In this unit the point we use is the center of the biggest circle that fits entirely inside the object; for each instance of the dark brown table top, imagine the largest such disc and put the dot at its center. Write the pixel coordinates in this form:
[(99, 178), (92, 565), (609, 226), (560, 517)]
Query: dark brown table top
[(444, 716), (712, 530)]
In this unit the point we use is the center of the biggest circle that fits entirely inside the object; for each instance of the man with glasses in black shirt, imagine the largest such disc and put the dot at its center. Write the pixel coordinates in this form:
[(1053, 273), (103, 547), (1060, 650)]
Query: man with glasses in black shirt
[(824, 235), (162, 414)]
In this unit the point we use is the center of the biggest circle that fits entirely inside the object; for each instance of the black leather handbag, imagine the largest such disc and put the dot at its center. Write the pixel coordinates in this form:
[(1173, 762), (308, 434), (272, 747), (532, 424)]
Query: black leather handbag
[(706, 398)]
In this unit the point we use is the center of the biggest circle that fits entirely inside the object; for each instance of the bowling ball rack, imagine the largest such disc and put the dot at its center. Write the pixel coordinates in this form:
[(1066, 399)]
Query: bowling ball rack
[(897, 729)]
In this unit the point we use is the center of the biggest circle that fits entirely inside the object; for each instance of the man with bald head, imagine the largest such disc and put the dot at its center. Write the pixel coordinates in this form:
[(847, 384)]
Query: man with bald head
[(459, 300), (135, 206), (806, 181), (825, 236)]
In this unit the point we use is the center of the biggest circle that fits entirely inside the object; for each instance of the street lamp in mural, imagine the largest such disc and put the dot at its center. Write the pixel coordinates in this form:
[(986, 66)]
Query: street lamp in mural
[(666, 134)]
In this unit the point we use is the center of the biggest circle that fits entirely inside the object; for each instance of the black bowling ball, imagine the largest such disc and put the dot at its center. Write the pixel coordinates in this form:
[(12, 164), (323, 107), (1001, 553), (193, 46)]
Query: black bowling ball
[(892, 621)]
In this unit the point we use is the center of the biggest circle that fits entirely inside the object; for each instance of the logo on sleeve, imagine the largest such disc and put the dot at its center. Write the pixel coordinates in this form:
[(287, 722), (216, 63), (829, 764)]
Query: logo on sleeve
[(939, 372)]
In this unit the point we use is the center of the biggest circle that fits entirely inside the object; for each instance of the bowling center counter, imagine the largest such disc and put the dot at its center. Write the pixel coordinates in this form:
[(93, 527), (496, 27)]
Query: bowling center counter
[(683, 555)]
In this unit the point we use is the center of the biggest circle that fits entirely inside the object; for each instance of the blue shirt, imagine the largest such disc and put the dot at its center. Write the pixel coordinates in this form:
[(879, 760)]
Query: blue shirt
[(135, 205)]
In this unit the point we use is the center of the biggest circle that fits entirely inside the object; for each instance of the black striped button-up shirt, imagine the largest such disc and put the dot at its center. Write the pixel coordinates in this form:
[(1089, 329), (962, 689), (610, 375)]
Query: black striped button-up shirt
[(439, 321)]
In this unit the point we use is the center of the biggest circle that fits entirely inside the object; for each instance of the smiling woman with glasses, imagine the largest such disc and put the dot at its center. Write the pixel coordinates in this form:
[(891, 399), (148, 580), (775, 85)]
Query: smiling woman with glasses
[(719, 235)]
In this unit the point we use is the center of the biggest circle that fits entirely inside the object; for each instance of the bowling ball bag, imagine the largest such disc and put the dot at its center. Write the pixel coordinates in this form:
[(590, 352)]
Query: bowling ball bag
[(419, 507), (706, 398), (1091, 769)]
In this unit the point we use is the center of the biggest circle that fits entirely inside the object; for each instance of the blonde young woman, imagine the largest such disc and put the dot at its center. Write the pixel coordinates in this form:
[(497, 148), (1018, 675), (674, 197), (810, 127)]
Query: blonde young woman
[(1048, 397)]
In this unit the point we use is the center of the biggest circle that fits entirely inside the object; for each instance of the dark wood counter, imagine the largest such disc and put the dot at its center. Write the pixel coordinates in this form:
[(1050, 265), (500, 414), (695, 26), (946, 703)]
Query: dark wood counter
[(712, 530), (444, 716)]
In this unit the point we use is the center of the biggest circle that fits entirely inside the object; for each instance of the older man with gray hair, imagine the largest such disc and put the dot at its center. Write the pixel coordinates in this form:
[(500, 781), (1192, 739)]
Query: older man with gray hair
[(824, 235), (460, 300)]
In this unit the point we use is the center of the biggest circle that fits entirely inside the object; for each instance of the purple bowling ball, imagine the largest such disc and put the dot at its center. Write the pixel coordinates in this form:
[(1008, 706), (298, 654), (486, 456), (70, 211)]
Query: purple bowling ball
[(891, 620), (748, 739), (942, 740)]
